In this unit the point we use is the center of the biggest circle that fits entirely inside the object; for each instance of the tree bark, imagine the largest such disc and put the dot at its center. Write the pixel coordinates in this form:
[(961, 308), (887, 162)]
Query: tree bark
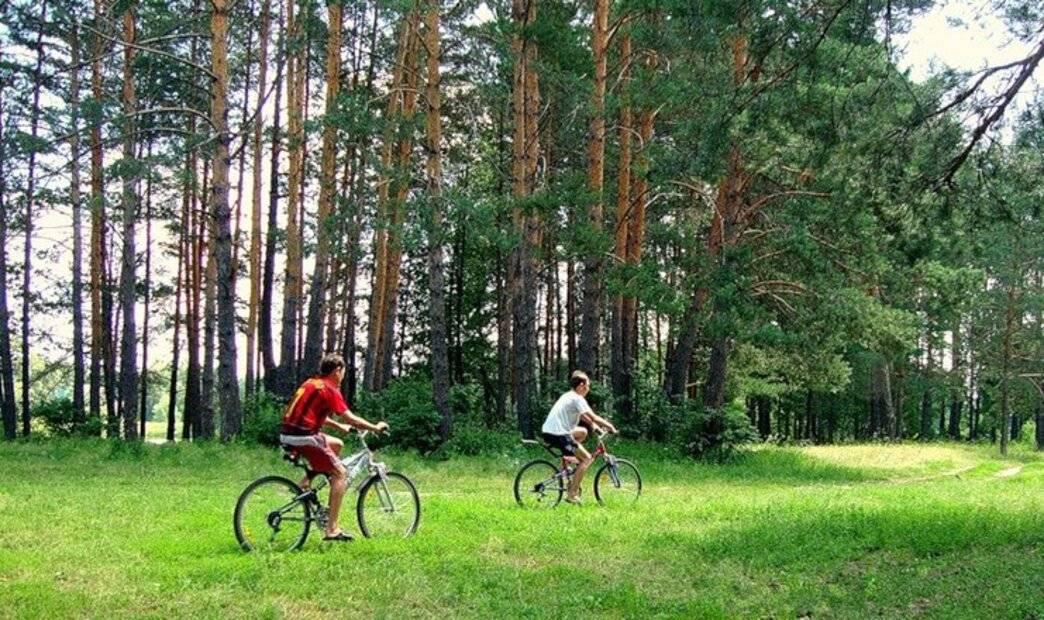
[(128, 277), (395, 157), (591, 312), (99, 325), (619, 367), (526, 96), (143, 406), (288, 369), (255, 204), (436, 275), (7, 391), (206, 410), (192, 415), (317, 307), (175, 355), (881, 398), (272, 380), (79, 371), (30, 198), (228, 379)]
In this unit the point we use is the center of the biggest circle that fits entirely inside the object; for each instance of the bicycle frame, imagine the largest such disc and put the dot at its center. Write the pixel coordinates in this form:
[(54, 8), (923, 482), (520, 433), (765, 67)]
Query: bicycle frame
[(600, 451), (354, 465)]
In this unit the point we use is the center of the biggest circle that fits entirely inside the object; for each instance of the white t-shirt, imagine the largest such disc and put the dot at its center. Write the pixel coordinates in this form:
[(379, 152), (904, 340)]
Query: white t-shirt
[(565, 415)]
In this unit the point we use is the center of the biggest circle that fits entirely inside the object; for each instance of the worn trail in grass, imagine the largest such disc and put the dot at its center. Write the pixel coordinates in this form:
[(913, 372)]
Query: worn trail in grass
[(898, 531)]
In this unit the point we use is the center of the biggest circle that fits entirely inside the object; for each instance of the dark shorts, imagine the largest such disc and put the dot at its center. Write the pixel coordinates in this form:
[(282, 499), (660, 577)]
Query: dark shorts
[(321, 459), (564, 443)]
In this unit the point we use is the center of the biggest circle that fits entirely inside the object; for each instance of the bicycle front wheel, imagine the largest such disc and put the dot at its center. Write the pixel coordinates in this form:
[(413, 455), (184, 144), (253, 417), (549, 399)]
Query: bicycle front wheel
[(270, 516), (388, 507), (617, 483), (538, 485)]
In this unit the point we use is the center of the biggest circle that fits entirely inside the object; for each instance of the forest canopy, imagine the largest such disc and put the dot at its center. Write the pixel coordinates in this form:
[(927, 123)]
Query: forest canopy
[(744, 219)]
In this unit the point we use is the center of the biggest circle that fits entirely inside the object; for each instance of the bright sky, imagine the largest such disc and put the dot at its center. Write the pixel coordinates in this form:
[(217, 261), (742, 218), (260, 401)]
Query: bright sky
[(964, 35)]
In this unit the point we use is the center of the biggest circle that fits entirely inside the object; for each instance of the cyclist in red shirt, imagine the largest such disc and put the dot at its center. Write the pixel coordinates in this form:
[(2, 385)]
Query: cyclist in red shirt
[(312, 407)]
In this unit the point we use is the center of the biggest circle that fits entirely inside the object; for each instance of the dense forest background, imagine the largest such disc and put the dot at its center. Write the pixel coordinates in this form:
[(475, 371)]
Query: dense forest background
[(740, 216)]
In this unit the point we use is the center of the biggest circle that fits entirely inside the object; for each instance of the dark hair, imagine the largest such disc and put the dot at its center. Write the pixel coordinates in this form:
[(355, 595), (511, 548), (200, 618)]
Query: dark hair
[(578, 378), (330, 363)]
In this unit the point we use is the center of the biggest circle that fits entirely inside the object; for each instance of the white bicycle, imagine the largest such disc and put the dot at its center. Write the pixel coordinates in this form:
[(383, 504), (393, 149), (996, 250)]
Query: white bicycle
[(274, 514)]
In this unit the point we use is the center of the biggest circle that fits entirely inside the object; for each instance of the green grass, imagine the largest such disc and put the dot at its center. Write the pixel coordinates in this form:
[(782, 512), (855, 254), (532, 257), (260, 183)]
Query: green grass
[(90, 530)]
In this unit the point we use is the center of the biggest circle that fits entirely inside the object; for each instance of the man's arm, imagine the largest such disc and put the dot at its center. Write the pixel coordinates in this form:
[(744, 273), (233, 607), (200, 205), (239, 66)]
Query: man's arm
[(358, 422), (595, 420)]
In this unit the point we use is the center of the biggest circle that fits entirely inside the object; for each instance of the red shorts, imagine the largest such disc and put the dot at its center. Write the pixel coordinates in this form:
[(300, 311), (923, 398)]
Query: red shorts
[(315, 448)]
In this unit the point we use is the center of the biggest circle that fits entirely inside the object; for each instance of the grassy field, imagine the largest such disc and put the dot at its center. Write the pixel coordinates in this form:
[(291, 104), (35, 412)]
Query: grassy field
[(90, 530)]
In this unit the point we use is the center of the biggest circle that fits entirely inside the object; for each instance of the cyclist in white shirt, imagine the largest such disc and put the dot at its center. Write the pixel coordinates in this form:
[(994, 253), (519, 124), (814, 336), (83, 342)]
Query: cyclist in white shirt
[(565, 429)]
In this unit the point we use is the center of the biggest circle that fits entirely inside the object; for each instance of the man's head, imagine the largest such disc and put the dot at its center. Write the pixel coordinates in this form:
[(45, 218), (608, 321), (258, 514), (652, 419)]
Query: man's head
[(580, 382), (332, 365)]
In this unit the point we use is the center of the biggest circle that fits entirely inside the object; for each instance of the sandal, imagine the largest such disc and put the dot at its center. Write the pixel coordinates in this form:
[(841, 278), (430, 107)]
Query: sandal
[(576, 501), (340, 537)]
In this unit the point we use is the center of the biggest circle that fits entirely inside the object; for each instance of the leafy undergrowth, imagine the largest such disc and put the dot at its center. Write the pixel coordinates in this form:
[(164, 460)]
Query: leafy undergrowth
[(94, 529)]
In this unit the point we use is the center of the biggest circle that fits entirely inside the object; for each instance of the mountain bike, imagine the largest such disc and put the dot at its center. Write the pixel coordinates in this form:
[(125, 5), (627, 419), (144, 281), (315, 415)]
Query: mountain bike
[(540, 484), (275, 514)]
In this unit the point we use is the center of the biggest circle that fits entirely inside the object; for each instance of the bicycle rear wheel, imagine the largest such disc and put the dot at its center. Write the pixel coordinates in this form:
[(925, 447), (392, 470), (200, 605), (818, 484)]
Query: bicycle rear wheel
[(388, 507), (617, 484), (270, 517), (537, 485)]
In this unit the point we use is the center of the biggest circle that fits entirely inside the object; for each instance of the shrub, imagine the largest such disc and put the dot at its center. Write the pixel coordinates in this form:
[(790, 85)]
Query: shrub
[(262, 416), (712, 434), (408, 408), (58, 417)]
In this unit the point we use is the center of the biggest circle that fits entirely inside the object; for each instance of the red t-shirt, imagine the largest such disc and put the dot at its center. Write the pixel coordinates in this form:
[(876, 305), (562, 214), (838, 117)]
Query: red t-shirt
[(314, 401)]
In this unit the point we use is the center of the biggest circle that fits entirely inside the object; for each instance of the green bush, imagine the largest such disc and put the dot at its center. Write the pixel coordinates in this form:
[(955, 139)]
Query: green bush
[(407, 406), (58, 417), (262, 416), (712, 434)]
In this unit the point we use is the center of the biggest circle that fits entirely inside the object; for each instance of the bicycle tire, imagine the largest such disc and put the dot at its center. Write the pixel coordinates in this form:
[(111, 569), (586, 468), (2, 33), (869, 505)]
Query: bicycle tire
[(536, 473), (375, 519), (269, 495), (606, 490)]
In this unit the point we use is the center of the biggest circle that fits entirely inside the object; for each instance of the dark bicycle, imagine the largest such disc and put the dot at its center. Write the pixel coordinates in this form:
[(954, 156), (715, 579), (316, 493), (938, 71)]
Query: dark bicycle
[(274, 514), (540, 484)]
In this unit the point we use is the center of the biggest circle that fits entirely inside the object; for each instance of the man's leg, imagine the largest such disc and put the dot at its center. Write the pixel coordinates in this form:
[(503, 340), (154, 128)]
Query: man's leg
[(333, 443), (573, 492), (338, 485)]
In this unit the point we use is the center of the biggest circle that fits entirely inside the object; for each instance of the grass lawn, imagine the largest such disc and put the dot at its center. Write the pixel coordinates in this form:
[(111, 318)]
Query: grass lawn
[(942, 531)]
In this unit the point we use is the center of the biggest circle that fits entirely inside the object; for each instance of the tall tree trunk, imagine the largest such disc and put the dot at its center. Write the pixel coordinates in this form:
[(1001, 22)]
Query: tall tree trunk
[(175, 356), (264, 327), (956, 384), (436, 276), (390, 194), (1011, 322), (30, 198), (717, 370), (143, 406), (128, 277), (619, 369), (255, 203), (191, 424), (526, 96), (723, 232), (291, 284), (327, 188), (79, 372), (881, 398), (228, 379), (99, 326), (7, 391), (591, 314), (206, 410)]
